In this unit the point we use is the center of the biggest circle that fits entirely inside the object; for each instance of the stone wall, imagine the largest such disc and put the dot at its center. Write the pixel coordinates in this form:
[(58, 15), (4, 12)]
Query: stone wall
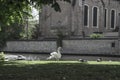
[(30, 46), (73, 46), (91, 46)]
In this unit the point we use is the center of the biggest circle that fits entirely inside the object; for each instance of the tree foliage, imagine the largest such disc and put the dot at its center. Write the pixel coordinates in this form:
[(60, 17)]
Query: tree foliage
[(14, 11)]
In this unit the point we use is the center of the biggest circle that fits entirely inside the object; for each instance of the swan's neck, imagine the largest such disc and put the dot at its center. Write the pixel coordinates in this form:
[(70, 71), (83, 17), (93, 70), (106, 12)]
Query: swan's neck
[(58, 51)]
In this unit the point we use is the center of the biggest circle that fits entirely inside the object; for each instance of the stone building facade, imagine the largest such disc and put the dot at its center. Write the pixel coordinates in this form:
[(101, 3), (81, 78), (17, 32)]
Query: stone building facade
[(80, 16)]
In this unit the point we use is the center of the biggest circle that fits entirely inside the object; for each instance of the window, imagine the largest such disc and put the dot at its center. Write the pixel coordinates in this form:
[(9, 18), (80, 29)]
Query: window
[(112, 18), (86, 13), (105, 18), (95, 17)]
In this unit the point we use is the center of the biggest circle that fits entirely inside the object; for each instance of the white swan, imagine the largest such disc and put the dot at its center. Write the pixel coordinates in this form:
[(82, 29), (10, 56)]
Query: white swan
[(14, 57), (55, 55)]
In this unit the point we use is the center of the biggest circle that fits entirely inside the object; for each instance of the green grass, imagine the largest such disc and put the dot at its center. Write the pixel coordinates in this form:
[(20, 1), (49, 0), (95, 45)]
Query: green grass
[(61, 70)]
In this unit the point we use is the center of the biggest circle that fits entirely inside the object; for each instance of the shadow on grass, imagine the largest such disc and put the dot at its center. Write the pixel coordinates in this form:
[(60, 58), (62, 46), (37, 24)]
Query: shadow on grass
[(2, 63), (63, 70)]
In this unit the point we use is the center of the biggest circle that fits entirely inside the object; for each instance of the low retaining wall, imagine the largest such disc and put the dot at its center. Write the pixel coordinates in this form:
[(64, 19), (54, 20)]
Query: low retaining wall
[(73, 46), (101, 46), (30, 46)]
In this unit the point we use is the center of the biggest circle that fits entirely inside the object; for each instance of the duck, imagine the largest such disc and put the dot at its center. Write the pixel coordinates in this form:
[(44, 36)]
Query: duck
[(99, 59)]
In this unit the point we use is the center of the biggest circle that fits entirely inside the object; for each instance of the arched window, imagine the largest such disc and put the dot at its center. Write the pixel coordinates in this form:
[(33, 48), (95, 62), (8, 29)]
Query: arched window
[(105, 18), (112, 18), (95, 17), (86, 15)]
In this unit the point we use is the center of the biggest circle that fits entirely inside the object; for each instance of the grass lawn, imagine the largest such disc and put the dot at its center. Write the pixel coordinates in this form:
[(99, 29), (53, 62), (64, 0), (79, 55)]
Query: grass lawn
[(61, 70)]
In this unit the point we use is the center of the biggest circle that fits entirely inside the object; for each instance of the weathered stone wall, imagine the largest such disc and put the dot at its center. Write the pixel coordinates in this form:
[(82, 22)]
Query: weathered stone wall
[(91, 46), (30, 46), (78, 46)]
